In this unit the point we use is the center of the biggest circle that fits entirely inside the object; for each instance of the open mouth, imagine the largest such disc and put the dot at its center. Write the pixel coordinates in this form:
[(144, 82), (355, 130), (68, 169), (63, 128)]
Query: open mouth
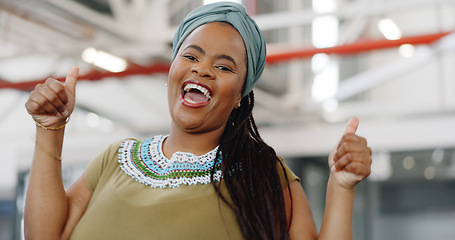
[(195, 94)]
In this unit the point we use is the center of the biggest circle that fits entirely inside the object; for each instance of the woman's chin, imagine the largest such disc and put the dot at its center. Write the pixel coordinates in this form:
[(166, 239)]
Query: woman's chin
[(187, 121)]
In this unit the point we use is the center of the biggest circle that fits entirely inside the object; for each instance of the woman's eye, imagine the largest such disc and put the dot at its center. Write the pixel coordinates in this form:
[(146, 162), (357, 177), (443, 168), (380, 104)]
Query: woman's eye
[(223, 68), (189, 57)]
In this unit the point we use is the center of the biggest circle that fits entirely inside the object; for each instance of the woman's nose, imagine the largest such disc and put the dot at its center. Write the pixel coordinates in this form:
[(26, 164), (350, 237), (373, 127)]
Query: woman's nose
[(203, 70)]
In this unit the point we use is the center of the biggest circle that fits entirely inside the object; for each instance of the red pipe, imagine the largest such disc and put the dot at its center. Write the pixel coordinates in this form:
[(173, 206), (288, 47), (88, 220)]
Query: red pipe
[(95, 75), (271, 58), (286, 55)]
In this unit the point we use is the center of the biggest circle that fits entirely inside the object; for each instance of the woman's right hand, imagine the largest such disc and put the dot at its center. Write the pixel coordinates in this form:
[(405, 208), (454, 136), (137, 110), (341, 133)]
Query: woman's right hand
[(51, 103)]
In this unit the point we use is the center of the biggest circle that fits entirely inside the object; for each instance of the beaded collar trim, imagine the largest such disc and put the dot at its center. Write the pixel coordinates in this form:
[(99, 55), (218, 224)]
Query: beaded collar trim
[(145, 162)]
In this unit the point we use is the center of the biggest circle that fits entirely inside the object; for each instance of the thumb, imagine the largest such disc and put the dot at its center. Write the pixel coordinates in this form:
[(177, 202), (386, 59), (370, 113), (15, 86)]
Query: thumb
[(71, 79), (352, 126)]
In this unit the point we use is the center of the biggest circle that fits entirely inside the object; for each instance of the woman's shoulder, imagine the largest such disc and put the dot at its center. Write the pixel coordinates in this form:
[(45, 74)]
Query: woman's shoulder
[(103, 164), (110, 154), (118, 144), (284, 171)]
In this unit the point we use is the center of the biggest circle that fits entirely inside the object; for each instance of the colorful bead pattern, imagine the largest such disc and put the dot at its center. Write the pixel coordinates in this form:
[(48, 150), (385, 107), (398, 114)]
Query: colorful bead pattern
[(146, 163)]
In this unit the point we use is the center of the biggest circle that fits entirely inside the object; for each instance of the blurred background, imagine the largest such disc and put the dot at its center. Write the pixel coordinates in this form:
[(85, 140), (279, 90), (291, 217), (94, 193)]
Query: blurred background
[(391, 63)]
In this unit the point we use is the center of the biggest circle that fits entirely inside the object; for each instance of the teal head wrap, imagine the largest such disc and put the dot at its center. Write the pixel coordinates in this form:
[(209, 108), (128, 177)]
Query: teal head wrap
[(234, 14)]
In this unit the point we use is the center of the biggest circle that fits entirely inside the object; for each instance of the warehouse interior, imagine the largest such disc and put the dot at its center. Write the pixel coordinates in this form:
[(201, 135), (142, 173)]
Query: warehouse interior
[(391, 63)]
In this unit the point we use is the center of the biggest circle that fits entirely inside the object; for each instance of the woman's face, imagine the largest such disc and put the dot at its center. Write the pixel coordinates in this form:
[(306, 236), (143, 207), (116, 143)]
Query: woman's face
[(206, 78)]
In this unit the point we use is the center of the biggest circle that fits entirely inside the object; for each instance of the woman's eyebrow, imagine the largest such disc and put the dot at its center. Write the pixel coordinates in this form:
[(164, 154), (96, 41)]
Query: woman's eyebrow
[(196, 47), (221, 56), (227, 57)]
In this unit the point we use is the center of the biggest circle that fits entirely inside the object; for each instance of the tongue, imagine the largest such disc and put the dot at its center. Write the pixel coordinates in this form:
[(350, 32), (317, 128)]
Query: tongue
[(195, 96)]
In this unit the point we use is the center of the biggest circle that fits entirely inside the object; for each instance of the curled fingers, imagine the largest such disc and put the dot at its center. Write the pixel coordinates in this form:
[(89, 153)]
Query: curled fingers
[(353, 157), (48, 98), (359, 168), (352, 150)]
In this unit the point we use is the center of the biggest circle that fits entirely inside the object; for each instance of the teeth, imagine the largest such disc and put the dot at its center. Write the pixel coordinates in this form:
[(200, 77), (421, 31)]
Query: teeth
[(203, 90)]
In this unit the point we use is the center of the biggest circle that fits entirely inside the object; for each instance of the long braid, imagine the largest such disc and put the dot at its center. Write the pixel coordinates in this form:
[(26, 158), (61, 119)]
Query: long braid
[(249, 169)]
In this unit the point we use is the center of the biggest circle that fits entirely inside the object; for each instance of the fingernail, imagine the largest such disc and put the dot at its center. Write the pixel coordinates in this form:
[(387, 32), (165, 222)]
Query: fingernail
[(78, 69), (65, 113), (333, 169)]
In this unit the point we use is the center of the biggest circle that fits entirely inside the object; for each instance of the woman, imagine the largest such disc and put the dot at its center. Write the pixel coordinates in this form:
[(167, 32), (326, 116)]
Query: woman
[(212, 177)]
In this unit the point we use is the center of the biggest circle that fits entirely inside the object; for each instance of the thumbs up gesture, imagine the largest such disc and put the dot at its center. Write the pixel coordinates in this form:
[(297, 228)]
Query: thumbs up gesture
[(52, 102), (350, 160)]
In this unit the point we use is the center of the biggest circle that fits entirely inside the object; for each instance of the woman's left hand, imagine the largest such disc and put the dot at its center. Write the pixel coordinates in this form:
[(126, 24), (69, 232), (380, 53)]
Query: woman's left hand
[(350, 161)]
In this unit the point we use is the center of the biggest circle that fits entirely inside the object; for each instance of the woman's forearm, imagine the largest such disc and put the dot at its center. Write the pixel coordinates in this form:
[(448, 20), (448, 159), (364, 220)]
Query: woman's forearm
[(349, 163), (337, 221), (46, 204)]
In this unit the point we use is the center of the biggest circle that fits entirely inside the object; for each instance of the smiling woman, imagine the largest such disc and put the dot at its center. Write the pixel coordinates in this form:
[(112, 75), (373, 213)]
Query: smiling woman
[(208, 62), (211, 177)]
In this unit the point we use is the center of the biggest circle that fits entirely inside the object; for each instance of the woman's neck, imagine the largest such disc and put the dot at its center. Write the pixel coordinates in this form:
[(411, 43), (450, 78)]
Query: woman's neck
[(196, 143)]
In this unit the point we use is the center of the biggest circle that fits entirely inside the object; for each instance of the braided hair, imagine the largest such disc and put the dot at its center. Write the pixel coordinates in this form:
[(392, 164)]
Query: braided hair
[(249, 169)]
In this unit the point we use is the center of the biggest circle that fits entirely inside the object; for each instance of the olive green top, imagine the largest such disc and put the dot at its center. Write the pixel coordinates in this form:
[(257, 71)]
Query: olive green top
[(122, 208)]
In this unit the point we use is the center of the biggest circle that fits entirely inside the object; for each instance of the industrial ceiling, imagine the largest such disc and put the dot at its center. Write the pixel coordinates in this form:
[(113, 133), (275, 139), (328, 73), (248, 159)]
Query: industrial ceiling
[(402, 88)]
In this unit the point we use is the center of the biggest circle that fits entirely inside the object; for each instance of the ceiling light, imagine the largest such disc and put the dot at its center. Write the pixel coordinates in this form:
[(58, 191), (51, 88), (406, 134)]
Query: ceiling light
[(438, 155), (95, 121), (429, 172), (407, 50), (381, 168), (409, 162), (319, 62), (389, 29), (325, 83), (325, 31), (324, 6), (330, 105), (92, 119), (104, 60)]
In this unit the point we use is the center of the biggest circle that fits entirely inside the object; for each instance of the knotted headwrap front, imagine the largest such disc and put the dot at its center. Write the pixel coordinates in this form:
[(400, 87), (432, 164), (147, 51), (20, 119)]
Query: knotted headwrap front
[(234, 14)]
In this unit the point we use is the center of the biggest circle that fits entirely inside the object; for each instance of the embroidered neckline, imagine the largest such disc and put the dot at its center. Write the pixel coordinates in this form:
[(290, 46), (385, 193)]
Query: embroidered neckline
[(145, 162)]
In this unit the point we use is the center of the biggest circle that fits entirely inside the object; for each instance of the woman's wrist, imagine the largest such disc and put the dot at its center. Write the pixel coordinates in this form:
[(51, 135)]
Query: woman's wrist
[(54, 127), (334, 185), (49, 142)]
